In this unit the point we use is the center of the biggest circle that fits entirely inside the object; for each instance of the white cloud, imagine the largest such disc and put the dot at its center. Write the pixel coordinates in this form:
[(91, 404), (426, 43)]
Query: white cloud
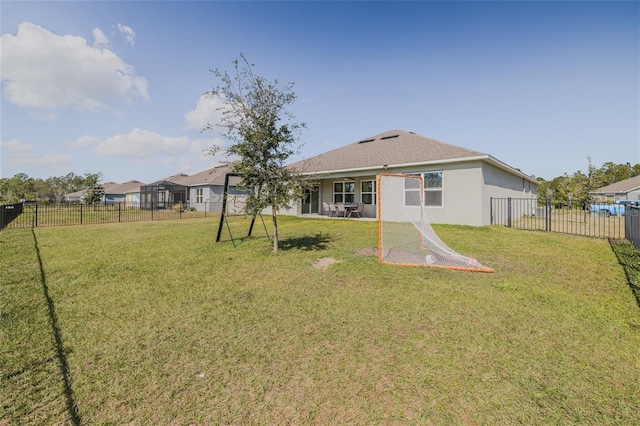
[(143, 144), (207, 111), (83, 141), (43, 70), (128, 33), (23, 155), (148, 146), (100, 41), (200, 147)]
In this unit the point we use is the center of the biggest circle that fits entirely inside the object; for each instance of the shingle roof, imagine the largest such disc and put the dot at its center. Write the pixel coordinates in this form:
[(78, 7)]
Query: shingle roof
[(123, 188), (214, 176), (391, 148), (621, 187), (107, 186)]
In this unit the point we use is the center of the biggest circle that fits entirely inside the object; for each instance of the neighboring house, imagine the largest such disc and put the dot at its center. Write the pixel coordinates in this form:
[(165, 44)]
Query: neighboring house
[(459, 182), (165, 193), (78, 196), (628, 189), (206, 189), (128, 192)]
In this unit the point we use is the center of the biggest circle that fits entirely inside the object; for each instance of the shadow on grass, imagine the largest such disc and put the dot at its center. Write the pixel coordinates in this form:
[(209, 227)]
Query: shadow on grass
[(629, 258), (72, 408), (315, 242)]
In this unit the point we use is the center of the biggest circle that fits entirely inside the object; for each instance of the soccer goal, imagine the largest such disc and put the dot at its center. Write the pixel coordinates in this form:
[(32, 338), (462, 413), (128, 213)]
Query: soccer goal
[(405, 236)]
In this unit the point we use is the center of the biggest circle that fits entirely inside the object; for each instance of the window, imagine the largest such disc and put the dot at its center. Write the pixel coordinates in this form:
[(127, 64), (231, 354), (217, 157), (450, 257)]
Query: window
[(198, 195), (344, 192), (368, 191), (432, 190), (412, 191)]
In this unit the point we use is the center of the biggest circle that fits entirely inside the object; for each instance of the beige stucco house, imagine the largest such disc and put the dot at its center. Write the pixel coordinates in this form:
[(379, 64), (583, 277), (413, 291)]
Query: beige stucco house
[(459, 182)]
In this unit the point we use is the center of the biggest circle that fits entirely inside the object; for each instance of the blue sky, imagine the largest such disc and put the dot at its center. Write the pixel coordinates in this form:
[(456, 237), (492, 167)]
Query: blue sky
[(116, 87)]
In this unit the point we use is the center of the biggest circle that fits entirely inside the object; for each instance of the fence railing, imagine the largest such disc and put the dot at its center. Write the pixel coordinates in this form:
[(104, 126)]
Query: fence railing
[(37, 215), (632, 225), (591, 220)]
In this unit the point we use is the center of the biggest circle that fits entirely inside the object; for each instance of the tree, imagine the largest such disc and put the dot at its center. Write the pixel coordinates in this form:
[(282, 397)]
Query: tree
[(95, 191), (262, 135)]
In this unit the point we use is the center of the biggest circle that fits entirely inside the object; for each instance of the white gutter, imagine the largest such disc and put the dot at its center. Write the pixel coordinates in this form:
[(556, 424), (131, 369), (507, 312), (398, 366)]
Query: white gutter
[(484, 157)]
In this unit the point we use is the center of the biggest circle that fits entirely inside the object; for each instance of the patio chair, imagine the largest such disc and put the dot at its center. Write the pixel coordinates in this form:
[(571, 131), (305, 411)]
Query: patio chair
[(333, 210), (325, 208), (359, 211), (341, 209)]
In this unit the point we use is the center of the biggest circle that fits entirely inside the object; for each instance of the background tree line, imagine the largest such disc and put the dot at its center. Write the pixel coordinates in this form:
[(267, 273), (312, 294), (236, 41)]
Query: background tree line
[(562, 189), (51, 190), (576, 188)]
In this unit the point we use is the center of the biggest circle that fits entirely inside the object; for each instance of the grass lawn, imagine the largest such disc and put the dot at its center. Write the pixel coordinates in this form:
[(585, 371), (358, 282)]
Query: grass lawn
[(155, 323)]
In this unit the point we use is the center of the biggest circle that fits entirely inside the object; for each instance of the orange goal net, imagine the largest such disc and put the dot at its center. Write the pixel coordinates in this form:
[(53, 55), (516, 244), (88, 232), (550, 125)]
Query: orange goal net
[(405, 236)]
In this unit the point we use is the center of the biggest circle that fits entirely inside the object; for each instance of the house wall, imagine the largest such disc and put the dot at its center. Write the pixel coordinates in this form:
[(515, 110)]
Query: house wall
[(498, 183), (132, 198), (212, 197), (467, 189)]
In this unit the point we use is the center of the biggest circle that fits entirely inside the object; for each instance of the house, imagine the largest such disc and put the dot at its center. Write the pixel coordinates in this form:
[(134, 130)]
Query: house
[(202, 191), (78, 196), (628, 189), (206, 190), (128, 192), (459, 182), (164, 193)]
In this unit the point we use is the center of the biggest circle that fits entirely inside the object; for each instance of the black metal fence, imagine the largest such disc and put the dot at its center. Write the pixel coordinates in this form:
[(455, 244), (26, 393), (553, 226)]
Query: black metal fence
[(8, 213), (632, 225), (592, 220), (37, 215)]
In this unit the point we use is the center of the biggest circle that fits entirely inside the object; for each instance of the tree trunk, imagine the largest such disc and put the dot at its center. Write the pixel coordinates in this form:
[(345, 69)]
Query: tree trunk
[(274, 216)]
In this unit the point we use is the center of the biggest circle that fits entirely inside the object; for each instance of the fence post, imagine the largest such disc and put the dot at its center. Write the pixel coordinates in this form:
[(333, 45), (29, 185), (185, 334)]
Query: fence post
[(490, 209), (119, 205), (509, 212), (547, 207), (36, 215), (80, 214)]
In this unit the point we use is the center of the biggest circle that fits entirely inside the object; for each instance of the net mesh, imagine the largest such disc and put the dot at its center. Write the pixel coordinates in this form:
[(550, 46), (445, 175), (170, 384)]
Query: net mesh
[(405, 236)]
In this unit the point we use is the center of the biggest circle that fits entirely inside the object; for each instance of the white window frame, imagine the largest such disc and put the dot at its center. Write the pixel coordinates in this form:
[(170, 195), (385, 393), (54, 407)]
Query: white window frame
[(341, 195), (434, 189), (373, 193), (199, 195), (408, 191)]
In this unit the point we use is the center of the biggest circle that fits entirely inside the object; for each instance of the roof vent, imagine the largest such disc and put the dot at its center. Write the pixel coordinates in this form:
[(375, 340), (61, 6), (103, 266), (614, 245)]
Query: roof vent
[(389, 137), (368, 140)]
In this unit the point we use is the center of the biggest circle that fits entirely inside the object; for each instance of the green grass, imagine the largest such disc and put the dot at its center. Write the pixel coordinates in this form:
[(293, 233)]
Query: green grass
[(155, 323)]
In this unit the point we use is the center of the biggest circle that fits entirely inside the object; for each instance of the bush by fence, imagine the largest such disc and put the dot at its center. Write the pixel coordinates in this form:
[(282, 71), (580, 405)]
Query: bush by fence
[(36, 215)]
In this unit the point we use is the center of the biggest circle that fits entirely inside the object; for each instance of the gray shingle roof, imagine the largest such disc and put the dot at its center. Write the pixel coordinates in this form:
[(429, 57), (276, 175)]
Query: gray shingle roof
[(621, 187), (214, 176), (391, 148), (130, 186)]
